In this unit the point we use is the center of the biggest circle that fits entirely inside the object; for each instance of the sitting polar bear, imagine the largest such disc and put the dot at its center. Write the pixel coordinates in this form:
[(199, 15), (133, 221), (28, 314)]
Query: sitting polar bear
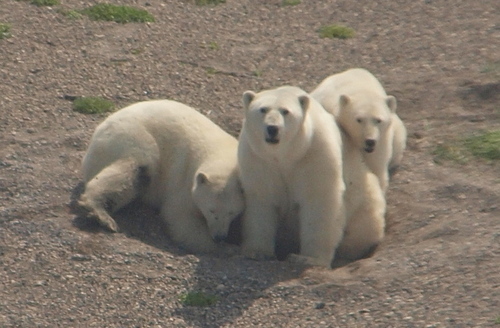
[(363, 109), (365, 205), (172, 157), (290, 162)]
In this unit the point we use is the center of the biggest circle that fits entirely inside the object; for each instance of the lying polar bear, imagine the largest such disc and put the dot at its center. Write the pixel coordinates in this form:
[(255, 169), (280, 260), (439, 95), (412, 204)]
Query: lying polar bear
[(171, 157)]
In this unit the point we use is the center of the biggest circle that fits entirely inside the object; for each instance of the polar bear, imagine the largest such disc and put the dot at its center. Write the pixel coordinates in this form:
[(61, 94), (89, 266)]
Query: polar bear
[(290, 161), (364, 110), (171, 157), (364, 202)]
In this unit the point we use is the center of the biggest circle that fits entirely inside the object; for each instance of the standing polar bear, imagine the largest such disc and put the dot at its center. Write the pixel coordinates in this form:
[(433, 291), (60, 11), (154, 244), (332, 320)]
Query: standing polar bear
[(171, 157), (363, 109), (290, 162)]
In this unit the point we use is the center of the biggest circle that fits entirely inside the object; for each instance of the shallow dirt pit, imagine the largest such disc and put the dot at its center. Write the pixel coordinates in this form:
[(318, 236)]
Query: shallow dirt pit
[(437, 267)]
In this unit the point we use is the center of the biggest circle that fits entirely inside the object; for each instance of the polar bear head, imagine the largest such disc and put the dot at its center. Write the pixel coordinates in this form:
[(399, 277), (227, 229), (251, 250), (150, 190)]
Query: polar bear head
[(366, 119), (219, 197), (274, 118)]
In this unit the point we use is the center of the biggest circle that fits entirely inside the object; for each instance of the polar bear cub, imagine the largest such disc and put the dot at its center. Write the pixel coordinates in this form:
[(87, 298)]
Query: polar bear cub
[(290, 162), (364, 202), (364, 110), (172, 157)]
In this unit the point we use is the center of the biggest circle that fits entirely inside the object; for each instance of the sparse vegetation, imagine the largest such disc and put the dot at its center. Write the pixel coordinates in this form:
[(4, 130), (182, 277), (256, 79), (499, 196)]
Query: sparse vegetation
[(92, 105), (4, 31), (336, 31), (449, 152), (213, 45), (486, 145), (491, 67), (198, 299), (257, 73), (211, 70), (71, 14), (290, 2), (118, 14), (209, 2), (42, 3), (137, 51)]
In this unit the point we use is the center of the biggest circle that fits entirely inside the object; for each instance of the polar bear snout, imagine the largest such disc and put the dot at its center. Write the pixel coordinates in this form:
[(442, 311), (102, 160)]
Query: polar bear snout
[(370, 145), (272, 134)]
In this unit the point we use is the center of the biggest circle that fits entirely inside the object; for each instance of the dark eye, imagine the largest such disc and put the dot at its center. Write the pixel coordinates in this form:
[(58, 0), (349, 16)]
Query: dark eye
[(285, 112), (359, 120), (263, 110), (378, 121)]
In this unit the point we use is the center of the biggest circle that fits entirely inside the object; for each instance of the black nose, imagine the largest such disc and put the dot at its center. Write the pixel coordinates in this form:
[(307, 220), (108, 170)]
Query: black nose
[(272, 130), (370, 143), (219, 238)]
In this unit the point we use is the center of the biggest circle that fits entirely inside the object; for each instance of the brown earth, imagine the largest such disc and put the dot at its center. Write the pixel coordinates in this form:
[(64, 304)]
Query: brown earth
[(439, 265)]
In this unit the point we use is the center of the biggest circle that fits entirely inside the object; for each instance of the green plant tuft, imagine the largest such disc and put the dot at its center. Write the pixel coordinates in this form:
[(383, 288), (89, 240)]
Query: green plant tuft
[(198, 299), (213, 45), (4, 31), (290, 2), (92, 105), (209, 2), (449, 152), (42, 3), (491, 67), (211, 70), (118, 14), (336, 31), (486, 145), (71, 14)]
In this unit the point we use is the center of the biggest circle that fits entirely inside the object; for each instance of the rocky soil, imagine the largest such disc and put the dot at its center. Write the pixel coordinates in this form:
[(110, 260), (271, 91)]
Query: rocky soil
[(439, 265)]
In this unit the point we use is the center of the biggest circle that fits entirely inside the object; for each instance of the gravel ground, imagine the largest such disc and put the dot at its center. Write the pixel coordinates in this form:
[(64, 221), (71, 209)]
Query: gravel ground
[(439, 265)]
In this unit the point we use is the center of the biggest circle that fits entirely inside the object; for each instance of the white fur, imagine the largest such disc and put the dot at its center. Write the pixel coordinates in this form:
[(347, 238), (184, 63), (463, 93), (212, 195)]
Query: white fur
[(365, 205), (298, 178), (171, 157), (364, 110)]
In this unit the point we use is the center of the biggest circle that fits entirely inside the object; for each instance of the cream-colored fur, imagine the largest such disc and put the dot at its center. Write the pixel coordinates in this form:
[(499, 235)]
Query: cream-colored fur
[(364, 110), (291, 169), (365, 205), (172, 157)]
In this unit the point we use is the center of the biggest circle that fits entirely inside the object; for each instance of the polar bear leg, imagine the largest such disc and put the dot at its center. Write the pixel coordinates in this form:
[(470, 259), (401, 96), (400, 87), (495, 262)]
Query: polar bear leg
[(260, 224), (111, 189), (365, 230), (321, 229)]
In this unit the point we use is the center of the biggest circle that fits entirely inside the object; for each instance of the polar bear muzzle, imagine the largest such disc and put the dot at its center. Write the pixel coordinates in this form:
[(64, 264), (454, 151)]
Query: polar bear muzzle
[(370, 145), (272, 134)]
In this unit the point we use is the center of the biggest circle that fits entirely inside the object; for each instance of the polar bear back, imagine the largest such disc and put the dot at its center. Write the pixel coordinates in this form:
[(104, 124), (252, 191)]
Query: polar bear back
[(158, 131)]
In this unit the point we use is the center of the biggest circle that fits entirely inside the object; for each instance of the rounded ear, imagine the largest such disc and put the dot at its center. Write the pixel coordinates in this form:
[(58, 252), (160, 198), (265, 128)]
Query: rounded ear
[(391, 103), (201, 178), (304, 102), (344, 101), (248, 96)]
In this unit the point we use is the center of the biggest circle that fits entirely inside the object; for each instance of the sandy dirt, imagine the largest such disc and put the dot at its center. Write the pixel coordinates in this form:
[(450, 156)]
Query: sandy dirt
[(439, 265)]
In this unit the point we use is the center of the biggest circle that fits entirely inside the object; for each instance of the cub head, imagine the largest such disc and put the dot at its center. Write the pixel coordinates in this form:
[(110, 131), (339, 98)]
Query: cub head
[(220, 199), (274, 117), (365, 120)]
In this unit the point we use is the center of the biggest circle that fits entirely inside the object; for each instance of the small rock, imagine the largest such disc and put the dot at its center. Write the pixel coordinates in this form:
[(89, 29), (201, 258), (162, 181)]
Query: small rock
[(80, 257)]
